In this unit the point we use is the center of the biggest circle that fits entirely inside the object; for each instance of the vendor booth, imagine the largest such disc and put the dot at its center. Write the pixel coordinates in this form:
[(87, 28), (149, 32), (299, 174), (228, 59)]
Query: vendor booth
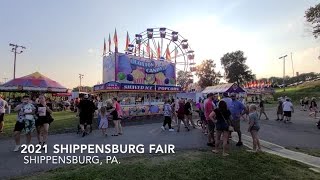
[(140, 84), (34, 82), (225, 88)]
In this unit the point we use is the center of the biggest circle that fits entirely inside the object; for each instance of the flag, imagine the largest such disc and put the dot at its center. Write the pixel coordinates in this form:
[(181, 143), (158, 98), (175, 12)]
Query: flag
[(148, 49), (151, 55), (127, 41), (175, 52), (143, 52), (139, 48), (109, 43), (115, 40), (168, 56), (104, 47), (158, 51)]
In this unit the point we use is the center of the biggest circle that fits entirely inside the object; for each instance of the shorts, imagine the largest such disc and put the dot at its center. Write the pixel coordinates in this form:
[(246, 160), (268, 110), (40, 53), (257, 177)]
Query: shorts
[(19, 126), (86, 120), (287, 113), (1, 117), (254, 128), (211, 126), (42, 121), (222, 127), (236, 124)]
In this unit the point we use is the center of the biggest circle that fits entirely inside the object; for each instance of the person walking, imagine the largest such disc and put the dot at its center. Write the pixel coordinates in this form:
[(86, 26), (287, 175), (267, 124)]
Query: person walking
[(313, 108), (167, 112), (287, 110), (188, 112), (3, 107), (181, 116), (254, 127), (236, 108), (25, 121), (117, 115), (209, 107), (43, 120), (103, 124), (280, 110), (262, 110), (221, 116), (86, 109)]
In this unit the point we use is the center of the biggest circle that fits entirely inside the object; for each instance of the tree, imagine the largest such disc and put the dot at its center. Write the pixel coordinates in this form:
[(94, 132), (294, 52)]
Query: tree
[(184, 79), (235, 68), (207, 75), (312, 16)]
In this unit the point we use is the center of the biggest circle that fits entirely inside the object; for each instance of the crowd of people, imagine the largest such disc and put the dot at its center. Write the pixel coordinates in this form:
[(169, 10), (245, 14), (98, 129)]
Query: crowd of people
[(218, 117)]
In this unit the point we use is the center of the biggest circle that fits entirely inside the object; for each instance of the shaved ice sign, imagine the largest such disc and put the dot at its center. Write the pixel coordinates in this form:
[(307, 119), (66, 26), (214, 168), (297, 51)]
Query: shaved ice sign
[(138, 70)]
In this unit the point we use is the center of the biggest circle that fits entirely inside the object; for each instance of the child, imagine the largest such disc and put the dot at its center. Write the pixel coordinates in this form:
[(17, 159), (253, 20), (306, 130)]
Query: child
[(103, 120), (167, 111), (254, 127)]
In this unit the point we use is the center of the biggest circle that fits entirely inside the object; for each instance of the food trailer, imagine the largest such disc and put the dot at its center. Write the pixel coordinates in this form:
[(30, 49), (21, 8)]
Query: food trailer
[(141, 85)]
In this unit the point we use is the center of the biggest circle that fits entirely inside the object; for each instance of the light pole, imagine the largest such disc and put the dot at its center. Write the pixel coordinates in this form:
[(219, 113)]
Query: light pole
[(284, 70), (15, 51), (80, 77)]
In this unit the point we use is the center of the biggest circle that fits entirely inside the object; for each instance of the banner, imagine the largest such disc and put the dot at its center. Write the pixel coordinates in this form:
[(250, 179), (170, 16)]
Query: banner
[(139, 70), (135, 87)]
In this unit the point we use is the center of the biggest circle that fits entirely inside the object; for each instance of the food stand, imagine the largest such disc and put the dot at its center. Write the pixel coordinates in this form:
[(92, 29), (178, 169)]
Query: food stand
[(140, 84)]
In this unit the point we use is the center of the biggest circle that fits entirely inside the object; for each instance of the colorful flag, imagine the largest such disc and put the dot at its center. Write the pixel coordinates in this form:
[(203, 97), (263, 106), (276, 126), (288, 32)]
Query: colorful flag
[(175, 52), (104, 47), (109, 43), (143, 52), (139, 49), (127, 41), (115, 40), (148, 49), (158, 51), (168, 56), (151, 55)]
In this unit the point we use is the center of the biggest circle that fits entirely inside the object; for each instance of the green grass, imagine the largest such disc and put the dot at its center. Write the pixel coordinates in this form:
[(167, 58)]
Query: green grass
[(310, 151), (187, 165), (307, 89), (63, 121)]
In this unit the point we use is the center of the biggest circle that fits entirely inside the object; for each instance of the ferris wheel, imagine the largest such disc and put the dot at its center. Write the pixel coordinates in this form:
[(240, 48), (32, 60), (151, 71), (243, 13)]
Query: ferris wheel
[(164, 44)]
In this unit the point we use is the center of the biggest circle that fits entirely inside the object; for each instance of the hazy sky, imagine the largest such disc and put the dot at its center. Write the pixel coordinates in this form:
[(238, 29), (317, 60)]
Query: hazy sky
[(65, 38)]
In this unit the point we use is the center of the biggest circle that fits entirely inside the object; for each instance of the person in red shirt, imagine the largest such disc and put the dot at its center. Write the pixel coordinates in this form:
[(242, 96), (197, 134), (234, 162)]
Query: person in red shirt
[(208, 108), (181, 116), (117, 116)]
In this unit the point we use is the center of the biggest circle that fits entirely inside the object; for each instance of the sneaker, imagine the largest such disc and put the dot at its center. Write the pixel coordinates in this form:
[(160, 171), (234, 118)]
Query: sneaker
[(16, 148), (171, 130), (239, 144), (163, 129)]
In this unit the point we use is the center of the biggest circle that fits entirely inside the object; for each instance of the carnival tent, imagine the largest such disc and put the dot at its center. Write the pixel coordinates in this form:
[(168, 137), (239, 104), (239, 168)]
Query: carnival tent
[(222, 88), (34, 82)]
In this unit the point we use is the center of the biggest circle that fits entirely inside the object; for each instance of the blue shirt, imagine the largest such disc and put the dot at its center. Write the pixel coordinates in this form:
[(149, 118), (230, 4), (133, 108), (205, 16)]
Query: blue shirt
[(236, 108)]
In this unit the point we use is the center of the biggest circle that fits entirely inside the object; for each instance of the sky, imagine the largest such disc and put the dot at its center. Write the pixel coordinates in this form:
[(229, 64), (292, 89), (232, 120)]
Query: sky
[(65, 38)]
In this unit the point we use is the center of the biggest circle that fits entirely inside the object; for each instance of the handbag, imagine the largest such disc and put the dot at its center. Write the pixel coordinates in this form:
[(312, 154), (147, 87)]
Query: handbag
[(230, 128)]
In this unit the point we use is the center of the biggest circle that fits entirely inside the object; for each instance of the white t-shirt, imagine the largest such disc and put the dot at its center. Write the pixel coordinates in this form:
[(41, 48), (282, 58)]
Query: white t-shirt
[(287, 106), (3, 105)]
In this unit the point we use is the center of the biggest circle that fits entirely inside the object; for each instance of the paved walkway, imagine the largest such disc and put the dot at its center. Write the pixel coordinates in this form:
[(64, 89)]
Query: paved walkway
[(11, 163)]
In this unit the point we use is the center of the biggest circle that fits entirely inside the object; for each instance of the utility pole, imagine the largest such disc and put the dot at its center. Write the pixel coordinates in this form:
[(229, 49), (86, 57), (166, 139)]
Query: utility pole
[(15, 51), (292, 66), (284, 70), (80, 77)]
